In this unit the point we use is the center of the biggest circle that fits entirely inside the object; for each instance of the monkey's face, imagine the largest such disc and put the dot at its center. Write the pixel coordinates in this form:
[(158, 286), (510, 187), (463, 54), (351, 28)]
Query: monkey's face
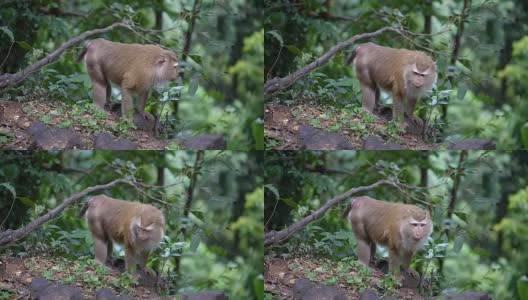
[(416, 231), (167, 67), (421, 80), (147, 233)]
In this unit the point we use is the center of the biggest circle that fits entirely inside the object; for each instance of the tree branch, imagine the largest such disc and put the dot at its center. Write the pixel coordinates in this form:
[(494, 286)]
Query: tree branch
[(10, 235), (9, 79), (276, 84), (275, 237)]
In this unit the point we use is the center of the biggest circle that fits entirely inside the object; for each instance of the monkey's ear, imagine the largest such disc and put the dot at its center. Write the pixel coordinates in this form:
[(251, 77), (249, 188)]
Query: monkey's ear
[(161, 60)]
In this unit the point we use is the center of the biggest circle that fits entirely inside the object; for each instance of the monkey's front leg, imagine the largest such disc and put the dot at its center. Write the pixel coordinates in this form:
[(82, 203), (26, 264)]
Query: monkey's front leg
[(409, 112), (394, 263), (406, 263), (130, 260), (142, 100), (143, 258)]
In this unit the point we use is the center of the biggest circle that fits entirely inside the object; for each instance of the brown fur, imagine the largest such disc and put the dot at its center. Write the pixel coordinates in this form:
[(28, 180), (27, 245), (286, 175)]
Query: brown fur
[(390, 225), (138, 227), (135, 68), (392, 70)]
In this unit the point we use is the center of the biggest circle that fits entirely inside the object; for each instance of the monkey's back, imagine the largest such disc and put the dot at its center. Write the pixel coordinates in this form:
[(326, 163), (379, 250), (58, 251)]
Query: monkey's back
[(375, 220), (116, 59), (381, 63), (110, 218)]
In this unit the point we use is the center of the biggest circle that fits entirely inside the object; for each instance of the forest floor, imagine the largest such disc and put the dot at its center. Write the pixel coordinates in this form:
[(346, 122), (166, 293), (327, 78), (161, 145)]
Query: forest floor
[(280, 276), (16, 275), (282, 124), (16, 118)]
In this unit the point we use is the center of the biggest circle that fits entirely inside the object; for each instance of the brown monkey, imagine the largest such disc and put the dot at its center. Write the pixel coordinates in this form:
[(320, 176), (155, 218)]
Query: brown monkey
[(406, 74), (402, 228), (135, 68), (139, 227)]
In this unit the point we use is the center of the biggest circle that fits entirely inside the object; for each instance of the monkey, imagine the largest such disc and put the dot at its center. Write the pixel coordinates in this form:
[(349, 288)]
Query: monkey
[(135, 68), (406, 74), (402, 228), (138, 227)]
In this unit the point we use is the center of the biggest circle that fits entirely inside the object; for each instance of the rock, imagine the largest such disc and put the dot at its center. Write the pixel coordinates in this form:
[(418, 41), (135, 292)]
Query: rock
[(204, 142), (375, 143), (306, 290), (472, 144), (466, 296), (369, 294), (45, 138), (41, 289), (141, 123), (107, 294), (103, 141), (314, 139), (207, 295)]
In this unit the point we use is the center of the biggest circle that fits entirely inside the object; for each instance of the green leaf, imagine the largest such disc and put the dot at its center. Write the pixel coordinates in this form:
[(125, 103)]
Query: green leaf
[(465, 62), (195, 242), (273, 189), (277, 36), (196, 58), (258, 287), (459, 242), (8, 32), (461, 92), (294, 50), (257, 128), (289, 202), (10, 188), (193, 86), (524, 135), (24, 45)]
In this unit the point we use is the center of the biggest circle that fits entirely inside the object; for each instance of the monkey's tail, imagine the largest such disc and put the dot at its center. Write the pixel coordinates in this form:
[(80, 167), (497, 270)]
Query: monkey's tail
[(81, 55), (347, 210), (351, 57), (84, 208)]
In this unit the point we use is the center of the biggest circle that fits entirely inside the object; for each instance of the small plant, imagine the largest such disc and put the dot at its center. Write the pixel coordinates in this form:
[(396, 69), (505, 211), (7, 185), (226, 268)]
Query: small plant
[(394, 130)]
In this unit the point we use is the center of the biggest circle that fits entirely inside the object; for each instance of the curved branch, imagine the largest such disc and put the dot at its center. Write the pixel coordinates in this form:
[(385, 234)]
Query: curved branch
[(276, 84), (10, 79), (10, 235), (275, 237)]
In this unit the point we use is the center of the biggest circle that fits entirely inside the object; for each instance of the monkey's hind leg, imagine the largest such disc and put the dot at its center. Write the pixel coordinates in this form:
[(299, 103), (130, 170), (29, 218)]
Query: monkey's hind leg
[(101, 250)]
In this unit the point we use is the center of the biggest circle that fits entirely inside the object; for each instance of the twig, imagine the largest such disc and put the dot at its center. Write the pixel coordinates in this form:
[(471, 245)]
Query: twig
[(10, 79), (10, 235)]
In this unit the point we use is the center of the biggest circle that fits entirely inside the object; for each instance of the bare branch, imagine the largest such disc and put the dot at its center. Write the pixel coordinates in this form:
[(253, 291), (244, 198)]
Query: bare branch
[(9, 79), (276, 84), (10, 235), (275, 237)]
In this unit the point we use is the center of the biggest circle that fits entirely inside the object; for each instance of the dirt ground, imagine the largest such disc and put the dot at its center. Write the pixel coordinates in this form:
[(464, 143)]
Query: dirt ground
[(16, 275), (282, 124), (16, 117), (281, 274)]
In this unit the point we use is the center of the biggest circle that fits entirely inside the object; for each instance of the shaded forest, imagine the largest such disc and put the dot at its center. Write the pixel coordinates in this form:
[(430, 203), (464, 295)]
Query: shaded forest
[(477, 202), (212, 203), (312, 94), (215, 103)]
